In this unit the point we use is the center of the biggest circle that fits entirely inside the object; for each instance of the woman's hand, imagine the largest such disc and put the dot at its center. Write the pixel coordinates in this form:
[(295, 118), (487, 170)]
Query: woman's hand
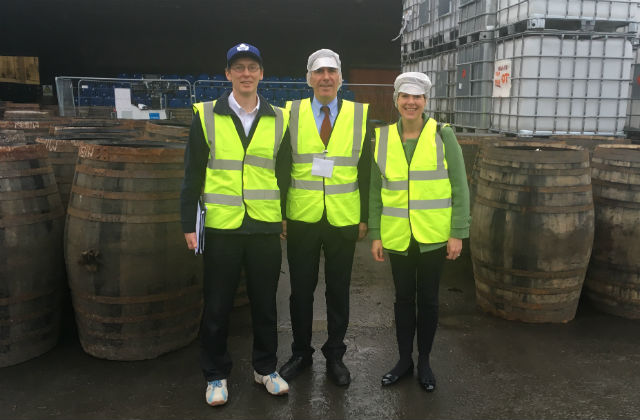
[(376, 250), (454, 248)]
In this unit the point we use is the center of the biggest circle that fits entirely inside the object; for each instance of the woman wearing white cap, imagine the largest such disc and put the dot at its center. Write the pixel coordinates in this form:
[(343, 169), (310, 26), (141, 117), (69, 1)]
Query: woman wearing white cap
[(419, 213)]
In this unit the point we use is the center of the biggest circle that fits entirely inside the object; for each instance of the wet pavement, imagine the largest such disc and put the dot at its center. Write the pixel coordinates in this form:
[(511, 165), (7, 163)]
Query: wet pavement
[(486, 367)]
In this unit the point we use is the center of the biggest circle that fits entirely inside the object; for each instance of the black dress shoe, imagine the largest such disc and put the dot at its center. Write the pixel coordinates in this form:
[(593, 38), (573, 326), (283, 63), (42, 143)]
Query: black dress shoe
[(338, 372), (426, 378), (390, 378), (294, 366)]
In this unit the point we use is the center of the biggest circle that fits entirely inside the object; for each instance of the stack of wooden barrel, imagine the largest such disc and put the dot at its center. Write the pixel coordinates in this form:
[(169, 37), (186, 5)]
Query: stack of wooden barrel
[(544, 212), (135, 288)]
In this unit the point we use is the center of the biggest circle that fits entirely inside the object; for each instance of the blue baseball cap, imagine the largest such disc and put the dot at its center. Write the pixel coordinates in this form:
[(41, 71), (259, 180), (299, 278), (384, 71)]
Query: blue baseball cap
[(243, 50)]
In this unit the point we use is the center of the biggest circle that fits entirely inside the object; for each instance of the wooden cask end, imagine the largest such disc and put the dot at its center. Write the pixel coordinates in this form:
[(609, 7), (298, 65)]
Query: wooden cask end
[(532, 230), (136, 288)]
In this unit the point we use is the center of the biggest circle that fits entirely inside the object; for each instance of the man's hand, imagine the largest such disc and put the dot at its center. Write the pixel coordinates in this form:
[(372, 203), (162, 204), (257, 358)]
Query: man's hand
[(362, 231), (283, 235), (192, 240), (454, 248), (376, 250)]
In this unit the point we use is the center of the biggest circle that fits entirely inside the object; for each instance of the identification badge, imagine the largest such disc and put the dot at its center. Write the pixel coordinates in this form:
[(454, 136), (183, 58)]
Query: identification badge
[(322, 167)]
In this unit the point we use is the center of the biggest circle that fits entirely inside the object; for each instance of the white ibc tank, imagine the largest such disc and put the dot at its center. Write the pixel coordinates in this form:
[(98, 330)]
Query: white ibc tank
[(512, 11), (564, 84)]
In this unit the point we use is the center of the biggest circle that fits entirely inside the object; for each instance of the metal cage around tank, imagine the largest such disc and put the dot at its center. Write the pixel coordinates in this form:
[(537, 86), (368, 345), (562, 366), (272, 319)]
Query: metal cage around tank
[(564, 83)]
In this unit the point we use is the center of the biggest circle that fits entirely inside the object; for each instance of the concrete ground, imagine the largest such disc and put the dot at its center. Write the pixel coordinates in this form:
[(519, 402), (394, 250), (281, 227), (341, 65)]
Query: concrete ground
[(487, 368)]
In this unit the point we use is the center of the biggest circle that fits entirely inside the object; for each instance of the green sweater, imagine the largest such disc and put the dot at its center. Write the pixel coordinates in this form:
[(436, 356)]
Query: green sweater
[(460, 219)]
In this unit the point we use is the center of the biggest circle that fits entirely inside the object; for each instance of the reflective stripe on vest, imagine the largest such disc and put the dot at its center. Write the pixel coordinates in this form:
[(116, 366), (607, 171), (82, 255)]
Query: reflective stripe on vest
[(235, 178), (309, 195), (416, 197)]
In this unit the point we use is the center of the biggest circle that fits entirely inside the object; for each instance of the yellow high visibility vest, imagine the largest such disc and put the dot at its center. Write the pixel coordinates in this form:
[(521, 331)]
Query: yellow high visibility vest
[(416, 198), (235, 178), (309, 194)]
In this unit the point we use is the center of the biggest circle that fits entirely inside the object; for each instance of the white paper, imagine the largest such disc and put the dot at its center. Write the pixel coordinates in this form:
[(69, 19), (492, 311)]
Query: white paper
[(200, 219), (502, 79), (322, 167)]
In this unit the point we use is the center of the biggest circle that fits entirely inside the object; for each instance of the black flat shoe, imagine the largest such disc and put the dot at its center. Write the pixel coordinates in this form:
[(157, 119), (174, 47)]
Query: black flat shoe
[(427, 379), (294, 366), (390, 379)]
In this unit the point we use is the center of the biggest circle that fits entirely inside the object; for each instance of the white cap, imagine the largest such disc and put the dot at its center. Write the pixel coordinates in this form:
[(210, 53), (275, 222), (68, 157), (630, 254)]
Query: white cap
[(323, 58), (413, 83)]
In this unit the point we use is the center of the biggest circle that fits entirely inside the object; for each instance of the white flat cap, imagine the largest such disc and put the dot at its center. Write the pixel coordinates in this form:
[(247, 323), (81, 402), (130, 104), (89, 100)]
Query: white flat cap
[(413, 83), (323, 58)]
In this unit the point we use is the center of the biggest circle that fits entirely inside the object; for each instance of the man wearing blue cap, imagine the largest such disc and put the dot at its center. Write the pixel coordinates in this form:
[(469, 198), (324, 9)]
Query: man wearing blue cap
[(230, 158)]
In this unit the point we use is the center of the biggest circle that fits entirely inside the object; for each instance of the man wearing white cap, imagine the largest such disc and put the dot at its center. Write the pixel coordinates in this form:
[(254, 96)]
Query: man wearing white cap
[(419, 213), (327, 208)]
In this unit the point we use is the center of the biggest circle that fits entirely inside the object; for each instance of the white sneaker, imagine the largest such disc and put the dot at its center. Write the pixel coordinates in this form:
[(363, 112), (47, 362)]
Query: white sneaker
[(217, 392), (274, 383)]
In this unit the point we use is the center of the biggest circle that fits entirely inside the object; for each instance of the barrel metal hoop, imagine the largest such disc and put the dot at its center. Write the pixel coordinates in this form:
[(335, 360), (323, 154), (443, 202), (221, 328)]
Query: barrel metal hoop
[(148, 333), (534, 189), (620, 186), (123, 154), (26, 297), (530, 306), (30, 219), (123, 218), (598, 262), (17, 195), (125, 195), (119, 300), (615, 203), (487, 165), (135, 174), (89, 316), (534, 274), (534, 209), (17, 173), (43, 310), (615, 168)]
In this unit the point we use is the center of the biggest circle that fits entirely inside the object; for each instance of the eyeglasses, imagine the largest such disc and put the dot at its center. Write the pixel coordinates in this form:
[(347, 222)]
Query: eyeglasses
[(240, 68)]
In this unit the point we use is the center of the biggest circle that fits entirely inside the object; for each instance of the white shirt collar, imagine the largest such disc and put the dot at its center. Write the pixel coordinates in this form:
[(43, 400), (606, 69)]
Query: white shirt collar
[(235, 106)]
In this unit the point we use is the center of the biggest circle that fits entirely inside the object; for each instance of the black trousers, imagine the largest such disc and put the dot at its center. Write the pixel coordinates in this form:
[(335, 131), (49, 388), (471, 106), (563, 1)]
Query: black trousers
[(416, 278), (224, 256), (304, 241)]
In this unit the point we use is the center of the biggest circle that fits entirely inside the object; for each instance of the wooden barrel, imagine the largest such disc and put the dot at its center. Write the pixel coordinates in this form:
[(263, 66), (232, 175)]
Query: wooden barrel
[(532, 230), (161, 131), (136, 288), (31, 272), (613, 278)]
